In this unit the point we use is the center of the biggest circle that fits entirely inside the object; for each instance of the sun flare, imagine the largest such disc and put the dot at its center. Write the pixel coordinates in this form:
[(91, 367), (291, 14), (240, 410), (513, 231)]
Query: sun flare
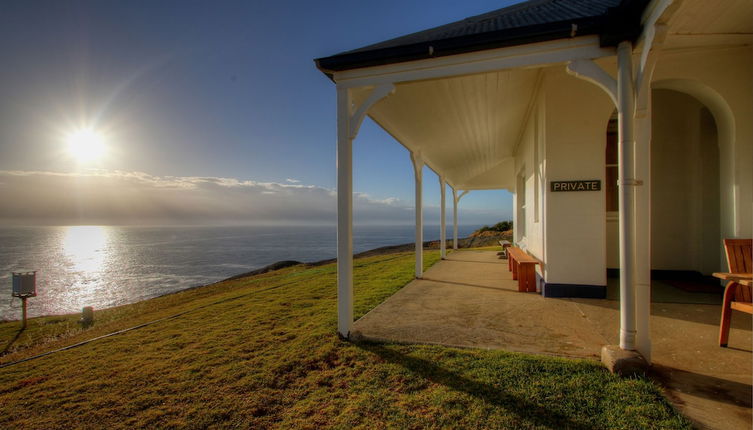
[(85, 145)]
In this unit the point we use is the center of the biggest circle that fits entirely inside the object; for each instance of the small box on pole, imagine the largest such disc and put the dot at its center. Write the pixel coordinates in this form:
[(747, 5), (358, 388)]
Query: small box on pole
[(24, 286)]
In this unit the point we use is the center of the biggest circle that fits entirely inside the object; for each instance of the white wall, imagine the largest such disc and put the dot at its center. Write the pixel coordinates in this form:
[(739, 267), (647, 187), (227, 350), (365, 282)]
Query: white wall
[(570, 235), (577, 114), (721, 80), (684, 185)]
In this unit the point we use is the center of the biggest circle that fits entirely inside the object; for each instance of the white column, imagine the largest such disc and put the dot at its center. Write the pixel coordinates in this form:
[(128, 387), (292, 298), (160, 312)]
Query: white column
[(626, 113), (643, 230), (454, 218), (442, 224), (418, 166), (643, 196), (344, 214)]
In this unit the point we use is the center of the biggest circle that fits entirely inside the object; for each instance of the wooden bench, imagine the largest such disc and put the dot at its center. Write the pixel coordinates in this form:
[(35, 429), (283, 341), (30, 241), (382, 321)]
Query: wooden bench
[(523, 268), (504, 244)]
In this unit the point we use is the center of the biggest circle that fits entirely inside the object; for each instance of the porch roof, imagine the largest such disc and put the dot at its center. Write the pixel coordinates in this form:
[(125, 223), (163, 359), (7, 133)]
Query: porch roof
[(523, 23), (465, 92)]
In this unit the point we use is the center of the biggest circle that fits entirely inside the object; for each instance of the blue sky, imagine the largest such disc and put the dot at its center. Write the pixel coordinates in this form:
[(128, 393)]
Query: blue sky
[(222, 89)]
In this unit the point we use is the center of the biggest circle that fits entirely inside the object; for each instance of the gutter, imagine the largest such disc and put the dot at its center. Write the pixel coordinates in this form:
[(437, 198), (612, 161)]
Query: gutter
[(616, 25)]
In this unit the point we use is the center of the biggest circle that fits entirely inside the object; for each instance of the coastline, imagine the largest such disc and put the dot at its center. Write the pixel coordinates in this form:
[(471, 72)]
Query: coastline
[(466, 242), (484, 239)]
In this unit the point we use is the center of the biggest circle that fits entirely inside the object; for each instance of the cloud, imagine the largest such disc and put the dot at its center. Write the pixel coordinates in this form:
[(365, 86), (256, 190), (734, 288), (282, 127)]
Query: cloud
[(292, 181), (118, 197)]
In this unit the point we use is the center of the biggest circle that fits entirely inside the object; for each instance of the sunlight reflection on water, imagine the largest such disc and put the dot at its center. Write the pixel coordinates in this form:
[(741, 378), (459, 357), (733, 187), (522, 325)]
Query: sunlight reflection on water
[(86, 247), (86, 252)]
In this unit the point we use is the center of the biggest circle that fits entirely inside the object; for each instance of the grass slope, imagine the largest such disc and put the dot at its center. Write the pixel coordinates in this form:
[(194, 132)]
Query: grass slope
[(262, 352)]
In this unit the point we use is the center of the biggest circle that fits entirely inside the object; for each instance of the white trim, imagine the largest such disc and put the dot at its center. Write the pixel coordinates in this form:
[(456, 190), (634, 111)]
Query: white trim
[(530, 55), (344, 214), (442, 219), (418, 165), (454, 218)]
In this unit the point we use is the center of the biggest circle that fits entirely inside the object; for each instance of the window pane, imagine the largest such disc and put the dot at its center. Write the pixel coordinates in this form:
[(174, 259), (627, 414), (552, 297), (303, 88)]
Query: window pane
[(610, 188), (611, 157)]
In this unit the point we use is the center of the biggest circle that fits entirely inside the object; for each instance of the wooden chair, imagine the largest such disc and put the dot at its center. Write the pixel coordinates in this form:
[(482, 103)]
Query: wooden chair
[(736, 295)]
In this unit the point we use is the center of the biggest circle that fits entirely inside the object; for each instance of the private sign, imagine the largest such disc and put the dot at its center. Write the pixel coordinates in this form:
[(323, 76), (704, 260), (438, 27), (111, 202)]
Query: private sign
[(592, 185)]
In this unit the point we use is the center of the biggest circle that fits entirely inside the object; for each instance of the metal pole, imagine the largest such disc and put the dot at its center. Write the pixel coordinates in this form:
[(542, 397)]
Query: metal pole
[(626, 111), (23, 312)]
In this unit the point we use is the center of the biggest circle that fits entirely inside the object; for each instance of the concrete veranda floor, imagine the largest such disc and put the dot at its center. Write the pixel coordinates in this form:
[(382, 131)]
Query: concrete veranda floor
[(470, 300)]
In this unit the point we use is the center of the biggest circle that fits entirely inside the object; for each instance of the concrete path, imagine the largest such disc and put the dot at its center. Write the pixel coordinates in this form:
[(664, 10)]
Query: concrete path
[(470, 300)]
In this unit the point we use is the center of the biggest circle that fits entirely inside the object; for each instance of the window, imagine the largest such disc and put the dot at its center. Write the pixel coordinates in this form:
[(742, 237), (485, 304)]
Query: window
[(611, 161), (520, 193), (536, 169)]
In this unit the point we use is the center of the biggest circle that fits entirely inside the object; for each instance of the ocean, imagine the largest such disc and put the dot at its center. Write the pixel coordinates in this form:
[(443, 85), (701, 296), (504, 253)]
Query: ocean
[(105, 266)]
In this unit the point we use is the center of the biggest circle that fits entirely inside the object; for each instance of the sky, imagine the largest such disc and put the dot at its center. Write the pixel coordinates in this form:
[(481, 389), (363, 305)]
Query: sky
[(211, 112)]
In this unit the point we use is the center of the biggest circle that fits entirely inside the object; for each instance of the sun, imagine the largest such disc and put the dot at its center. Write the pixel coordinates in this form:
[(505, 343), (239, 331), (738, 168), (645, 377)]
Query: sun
[(85, 145)]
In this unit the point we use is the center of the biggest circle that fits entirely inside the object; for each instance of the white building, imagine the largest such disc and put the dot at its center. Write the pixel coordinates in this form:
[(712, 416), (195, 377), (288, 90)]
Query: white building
[(649, 102)]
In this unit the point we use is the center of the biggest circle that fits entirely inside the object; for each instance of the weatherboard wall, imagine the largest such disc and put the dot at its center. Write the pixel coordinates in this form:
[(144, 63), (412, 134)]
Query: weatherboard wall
[(577, 114), (530, 169)]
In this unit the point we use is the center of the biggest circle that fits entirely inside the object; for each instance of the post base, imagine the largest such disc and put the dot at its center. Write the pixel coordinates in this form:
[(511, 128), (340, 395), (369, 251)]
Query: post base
[(622, 362)]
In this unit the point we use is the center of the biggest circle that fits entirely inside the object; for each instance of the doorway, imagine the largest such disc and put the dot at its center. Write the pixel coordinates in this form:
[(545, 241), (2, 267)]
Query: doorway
[(685, 201)]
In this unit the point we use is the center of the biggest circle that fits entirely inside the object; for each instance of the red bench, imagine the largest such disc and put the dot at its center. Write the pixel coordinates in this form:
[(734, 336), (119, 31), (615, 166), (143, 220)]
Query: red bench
[(523, 268)]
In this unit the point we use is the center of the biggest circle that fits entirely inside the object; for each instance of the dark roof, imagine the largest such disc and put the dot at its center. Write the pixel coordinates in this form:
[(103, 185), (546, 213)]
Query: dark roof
[(528, 22)]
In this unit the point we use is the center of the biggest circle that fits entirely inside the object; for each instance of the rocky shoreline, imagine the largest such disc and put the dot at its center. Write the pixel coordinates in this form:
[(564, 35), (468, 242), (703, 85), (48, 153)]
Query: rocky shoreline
[(488, 238)]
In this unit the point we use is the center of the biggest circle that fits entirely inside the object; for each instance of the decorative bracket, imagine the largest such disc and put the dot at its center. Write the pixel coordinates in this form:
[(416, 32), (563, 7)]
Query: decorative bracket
[(378, 93), (591, 72), (655, 35), (652, 39), (418, 164)]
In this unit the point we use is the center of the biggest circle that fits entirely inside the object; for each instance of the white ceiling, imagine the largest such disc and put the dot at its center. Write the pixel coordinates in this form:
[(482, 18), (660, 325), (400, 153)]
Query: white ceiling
[(711, 23), (465, 127)]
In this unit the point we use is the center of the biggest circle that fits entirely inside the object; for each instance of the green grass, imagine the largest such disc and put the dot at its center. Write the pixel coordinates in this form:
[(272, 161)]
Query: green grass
[(262, 352)]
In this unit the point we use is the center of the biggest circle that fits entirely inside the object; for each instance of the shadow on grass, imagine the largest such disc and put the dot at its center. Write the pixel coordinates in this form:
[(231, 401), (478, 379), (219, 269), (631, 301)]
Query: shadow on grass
[(12, 341), (526, 410)]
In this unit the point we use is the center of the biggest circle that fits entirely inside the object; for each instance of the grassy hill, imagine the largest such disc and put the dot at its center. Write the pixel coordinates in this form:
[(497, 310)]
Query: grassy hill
[(262, 352)]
